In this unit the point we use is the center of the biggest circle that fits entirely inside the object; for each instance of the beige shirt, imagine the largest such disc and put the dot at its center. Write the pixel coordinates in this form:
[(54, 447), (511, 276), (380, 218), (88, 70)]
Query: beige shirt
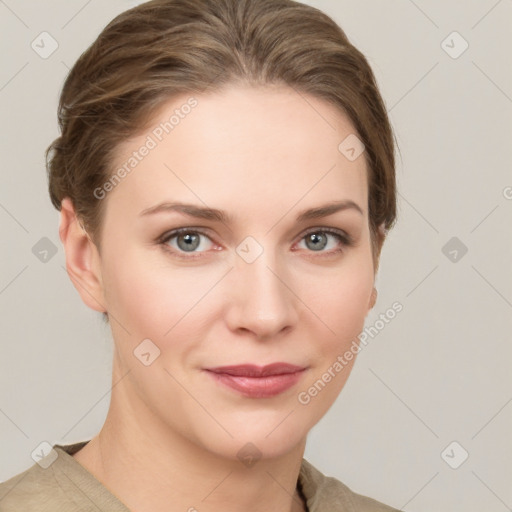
[(66, 486)]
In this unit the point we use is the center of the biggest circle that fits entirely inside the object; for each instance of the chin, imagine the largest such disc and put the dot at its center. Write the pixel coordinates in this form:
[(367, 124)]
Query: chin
[(255, 442)]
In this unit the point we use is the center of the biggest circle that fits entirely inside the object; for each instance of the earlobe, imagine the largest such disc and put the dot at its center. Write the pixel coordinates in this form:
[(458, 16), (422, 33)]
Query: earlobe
[(82, 258)]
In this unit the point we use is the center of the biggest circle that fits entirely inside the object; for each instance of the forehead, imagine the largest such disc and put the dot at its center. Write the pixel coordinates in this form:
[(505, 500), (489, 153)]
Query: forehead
[(244, 149)]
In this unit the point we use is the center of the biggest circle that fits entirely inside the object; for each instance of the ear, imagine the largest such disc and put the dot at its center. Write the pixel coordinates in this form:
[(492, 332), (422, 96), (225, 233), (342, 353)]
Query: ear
[(82, 258), (373, 299)]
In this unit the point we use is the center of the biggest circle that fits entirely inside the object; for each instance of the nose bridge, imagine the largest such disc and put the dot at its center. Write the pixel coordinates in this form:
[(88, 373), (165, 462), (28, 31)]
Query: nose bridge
[(260, 298), (260, 276)]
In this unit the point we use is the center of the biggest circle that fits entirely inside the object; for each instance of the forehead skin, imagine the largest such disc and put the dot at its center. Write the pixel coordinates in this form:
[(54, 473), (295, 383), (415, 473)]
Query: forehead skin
[(261, 153)]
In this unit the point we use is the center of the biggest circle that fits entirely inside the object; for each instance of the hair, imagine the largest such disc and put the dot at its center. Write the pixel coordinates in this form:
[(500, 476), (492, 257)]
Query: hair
[(162, 48)]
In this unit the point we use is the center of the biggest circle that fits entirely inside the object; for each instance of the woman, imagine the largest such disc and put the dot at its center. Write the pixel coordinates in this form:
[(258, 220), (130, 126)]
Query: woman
[(225, 177)]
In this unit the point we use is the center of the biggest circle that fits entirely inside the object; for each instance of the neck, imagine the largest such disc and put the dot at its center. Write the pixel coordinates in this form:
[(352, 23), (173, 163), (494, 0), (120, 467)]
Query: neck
[(152, 467)]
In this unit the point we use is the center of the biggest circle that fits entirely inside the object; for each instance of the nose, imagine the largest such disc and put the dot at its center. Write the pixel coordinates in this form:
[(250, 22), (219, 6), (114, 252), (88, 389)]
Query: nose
[(261, 298)]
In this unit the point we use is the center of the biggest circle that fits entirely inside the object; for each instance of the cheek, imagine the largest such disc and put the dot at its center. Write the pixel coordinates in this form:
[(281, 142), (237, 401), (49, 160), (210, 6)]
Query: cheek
[(132, 295), (150, 296), (343, 305)]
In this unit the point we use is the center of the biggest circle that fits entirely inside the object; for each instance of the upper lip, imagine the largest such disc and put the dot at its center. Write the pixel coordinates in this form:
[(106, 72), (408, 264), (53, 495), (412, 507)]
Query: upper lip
[(251, 370)]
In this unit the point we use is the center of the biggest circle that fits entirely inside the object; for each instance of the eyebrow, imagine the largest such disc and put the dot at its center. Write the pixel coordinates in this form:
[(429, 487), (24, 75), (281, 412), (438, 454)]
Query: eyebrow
[(214, 214)]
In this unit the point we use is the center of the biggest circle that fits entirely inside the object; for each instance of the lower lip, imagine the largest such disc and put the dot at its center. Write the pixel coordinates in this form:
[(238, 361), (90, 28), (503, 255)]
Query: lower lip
[(259, 387)]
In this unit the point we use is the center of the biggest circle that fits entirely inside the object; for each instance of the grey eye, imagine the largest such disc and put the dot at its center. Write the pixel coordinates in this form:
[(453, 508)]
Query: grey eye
[(316, 241)]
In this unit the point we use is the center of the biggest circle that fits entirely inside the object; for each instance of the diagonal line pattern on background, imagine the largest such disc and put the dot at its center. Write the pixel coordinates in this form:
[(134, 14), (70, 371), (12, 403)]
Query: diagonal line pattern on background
[(403, 402), (422, 280), (416, 494), (101, 398), (13, 13), (76, 14), (414, 86), (418, 212), (493, 287), (492, 211), (483, 483), (14, 424), (485, 15), (13, 279), (492, 81), (424, 13), (494, 416), (14, 76), (14, 218)]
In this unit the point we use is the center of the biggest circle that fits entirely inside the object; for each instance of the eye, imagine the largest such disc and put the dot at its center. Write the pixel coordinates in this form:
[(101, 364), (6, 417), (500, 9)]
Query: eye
[(317, 240), (188, 240), (185, 240)]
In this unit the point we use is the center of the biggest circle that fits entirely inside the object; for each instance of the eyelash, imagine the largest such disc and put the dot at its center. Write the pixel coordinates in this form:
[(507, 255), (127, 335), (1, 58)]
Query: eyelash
[(345, 239)]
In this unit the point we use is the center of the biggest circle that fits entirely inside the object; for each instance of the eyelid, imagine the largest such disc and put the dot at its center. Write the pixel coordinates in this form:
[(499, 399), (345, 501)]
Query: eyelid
[(330, 230), (187, 229)]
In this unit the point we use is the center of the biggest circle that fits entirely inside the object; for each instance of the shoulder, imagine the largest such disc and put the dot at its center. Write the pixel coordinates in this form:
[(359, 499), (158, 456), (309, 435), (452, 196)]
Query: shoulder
[(35, 489), (50, 485), (327, 493), (57, 483)]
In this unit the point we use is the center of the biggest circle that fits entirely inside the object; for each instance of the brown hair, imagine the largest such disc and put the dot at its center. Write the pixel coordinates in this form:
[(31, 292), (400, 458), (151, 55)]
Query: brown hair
[(162, 48)]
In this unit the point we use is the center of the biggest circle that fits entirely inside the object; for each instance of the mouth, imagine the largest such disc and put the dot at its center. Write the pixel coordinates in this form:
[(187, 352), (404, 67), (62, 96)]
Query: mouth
[(258, 381)]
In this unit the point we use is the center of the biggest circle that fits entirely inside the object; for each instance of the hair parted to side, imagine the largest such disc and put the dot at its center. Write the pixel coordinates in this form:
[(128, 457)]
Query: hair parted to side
[(163, 48)]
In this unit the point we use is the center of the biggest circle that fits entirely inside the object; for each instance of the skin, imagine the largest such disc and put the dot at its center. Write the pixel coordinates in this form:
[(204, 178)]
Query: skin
[(172, 433)]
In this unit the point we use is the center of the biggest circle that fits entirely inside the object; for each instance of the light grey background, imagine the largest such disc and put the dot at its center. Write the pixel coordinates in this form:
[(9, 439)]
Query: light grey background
[(439, 372)]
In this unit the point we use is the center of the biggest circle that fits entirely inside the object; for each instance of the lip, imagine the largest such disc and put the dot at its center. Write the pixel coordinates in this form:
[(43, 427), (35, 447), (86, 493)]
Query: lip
[(252, 370), (258, 381)]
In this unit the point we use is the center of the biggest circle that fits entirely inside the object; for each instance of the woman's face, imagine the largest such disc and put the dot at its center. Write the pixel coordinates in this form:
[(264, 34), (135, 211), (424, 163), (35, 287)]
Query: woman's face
[(259, 286)]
